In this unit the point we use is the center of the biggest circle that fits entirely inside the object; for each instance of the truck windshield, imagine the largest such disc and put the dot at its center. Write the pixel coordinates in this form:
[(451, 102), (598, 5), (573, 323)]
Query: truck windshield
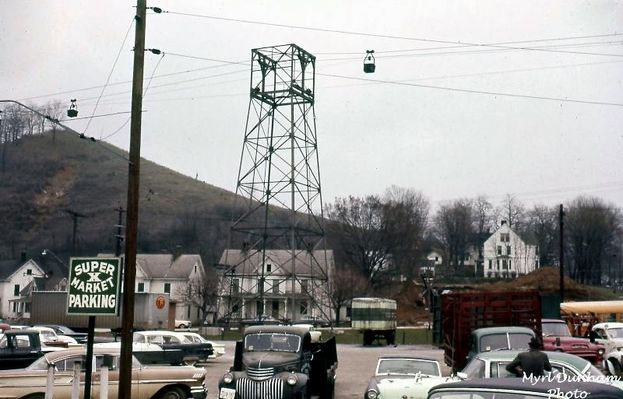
[(556, 330), (272, 342), (616, 332)]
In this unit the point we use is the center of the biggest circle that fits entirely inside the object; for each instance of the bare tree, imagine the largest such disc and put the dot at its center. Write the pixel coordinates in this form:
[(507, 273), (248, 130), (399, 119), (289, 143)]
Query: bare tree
[(453, 229), (591, 228), (201, 293), (345, 284), (542, 224), (356, 225), (405, 222), (512, 210)]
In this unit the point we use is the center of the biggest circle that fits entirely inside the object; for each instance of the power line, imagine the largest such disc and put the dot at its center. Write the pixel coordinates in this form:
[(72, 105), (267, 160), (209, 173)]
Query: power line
[(110, 74), (493, 44), (340, 31), (492, 93)]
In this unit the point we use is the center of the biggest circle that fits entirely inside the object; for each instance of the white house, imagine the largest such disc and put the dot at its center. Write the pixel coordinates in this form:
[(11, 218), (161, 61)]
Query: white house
[(282, 285), (170, 274), (506, 255), (165, 273), (15, 275)]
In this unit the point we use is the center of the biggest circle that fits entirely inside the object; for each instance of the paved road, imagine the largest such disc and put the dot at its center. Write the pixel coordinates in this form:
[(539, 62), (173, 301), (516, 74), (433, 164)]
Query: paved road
[(356, 366)]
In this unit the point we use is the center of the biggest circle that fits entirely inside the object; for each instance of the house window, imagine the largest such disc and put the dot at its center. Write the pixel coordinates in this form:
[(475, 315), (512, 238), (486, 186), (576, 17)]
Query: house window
[(303, 307), (304, 286), (508, 250), (29, 272), (504, 264), (235, 286), (167, 288), (497, 261), (14, 307), (509, 264), (499, 250), (141, 287), (269, 268), (16, 290), (490, 265), (188, 312), (275, 286), (259, 306)]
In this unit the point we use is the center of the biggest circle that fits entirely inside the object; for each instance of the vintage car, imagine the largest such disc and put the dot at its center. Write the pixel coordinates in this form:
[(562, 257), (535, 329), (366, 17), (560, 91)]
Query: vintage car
[(565, 365), (158, 382), (557, 337), (517, 388), (192, 352), (404, 377), (66, 331), (218, 349), (488, 339), (611, 336), (49, 337), (183, 323)]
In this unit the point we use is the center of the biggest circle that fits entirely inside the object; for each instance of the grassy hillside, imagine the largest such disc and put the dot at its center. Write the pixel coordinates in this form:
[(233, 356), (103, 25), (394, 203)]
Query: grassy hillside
[(46, 175)]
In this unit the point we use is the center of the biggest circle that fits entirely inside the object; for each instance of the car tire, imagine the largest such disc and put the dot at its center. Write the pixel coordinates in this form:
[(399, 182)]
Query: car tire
[(189, 361), (172, 393)]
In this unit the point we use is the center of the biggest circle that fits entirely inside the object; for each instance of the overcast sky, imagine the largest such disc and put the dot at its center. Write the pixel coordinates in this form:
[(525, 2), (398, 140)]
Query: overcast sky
[(537, 113)]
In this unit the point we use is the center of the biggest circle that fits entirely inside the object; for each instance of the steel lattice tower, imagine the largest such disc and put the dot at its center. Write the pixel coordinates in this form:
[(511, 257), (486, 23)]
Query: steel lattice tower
[(279, 179)]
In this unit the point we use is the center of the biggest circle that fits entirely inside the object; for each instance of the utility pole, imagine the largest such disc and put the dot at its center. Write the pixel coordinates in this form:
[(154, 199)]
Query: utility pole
[(561, 215), (74, 215), (129, 275)]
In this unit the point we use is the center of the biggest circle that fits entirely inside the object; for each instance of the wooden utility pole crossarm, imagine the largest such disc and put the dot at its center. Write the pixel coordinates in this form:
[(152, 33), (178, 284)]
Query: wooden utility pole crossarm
[(129, 276)]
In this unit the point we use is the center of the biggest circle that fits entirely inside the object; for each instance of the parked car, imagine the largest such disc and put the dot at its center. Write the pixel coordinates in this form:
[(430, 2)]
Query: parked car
[(192, 352), (170, 382), (493, 365), (81, 338), (219, 349), (488, 339), (557, 337), (183, 323), (516, 388), (49, 337), (611, 336), (399, 377)]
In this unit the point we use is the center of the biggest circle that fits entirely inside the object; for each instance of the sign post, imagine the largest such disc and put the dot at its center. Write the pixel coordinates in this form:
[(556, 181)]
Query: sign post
[(94, 290)]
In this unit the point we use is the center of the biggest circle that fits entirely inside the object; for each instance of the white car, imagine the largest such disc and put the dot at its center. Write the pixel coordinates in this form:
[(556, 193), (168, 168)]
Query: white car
[(611, 336), (219, 349), (49, 338), (183, 323)]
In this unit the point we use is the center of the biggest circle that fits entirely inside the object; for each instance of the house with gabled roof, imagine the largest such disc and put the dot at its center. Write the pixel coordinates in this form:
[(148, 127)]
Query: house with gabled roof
[(507, 255), (170, 274), (280, 284), (15, 275)]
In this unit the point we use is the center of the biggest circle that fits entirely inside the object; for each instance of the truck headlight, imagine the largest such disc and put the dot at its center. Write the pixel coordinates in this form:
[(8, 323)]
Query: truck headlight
[(292, 379), (601, 352), (372, 394), (228, 378), (620, 348)]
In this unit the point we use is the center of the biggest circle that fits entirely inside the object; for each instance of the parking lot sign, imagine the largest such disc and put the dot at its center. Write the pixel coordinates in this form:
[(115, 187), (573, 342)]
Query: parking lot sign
[(94, 286)]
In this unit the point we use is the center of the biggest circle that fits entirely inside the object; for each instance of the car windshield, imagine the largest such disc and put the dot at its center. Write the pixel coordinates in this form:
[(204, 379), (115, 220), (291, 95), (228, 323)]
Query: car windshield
[(616, 332), (408, 366), (494, 342), (272, 342), (475, 368), (556, 330)]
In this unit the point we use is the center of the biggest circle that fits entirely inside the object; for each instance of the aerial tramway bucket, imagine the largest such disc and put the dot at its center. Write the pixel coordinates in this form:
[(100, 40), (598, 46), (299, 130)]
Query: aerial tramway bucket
[(368, 62), (72, 112)]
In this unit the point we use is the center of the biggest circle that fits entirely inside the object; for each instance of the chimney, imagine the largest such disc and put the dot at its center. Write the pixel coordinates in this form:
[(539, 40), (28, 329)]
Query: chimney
[(178, 252), (23, 256)]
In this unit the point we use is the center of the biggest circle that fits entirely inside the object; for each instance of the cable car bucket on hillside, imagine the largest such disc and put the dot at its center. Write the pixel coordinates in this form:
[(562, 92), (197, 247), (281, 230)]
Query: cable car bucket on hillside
[(72, 112), (368, 62)]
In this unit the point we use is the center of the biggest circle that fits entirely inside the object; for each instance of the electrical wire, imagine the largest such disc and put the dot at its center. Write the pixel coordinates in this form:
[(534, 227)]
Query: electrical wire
[(144, 93), (492, 93), (110, 74), (420, 39)]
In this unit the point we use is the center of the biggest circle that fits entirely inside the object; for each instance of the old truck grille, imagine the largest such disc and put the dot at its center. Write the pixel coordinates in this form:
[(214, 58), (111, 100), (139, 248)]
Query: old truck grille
[(260, 373), (266, 389)]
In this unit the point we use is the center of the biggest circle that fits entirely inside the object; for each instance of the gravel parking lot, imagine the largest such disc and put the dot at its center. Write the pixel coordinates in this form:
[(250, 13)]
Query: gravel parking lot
[(357, 364)]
